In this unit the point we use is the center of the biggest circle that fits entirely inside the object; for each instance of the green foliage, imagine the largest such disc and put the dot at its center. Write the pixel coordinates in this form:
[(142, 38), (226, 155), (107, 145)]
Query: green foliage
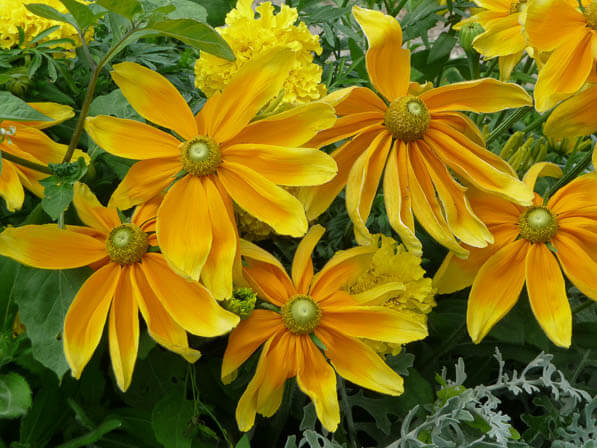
[(15, 109), (58, 188), (15, 396)]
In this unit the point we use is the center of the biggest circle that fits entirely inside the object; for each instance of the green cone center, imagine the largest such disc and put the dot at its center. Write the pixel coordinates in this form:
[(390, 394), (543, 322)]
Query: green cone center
[(538, 224), (126, 244), (301, 314), (201, 156), (591, 15), (407, 118)]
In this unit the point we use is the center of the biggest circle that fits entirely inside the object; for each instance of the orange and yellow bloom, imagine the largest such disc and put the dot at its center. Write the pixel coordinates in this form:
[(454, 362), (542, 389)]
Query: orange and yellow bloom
[(215, 157), (128, 279), (319, 305), (575, 117)]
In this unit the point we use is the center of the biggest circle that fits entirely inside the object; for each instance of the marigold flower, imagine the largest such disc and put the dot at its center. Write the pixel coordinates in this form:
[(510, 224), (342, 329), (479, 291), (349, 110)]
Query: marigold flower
[(250, 36), (217, 156), (414, 140), (313, 305), (575, 117), (25, 139), (128, 279), (559, 26), (522, 253)]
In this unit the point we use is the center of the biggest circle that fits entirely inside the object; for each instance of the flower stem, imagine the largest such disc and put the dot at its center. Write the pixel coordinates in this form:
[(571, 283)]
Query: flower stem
[(26, 163), (352, 433), (513, 118)]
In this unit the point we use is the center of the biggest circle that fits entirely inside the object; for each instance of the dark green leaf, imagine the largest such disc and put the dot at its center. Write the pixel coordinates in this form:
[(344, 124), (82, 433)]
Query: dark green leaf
[(170, 419), (216, 10), (181, 9), (126, 8), (108, 425), (15, 109), (441, 48), (243, 442), (47, 12), (15, 396), (82, 13), (57, 196), (8, 272)]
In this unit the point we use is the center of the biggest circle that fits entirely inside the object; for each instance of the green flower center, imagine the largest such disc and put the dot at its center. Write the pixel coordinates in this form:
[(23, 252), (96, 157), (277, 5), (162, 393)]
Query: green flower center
[(201, 156), (538, 224), (301, 314), (591, 15), (126, 244), (407, 118)]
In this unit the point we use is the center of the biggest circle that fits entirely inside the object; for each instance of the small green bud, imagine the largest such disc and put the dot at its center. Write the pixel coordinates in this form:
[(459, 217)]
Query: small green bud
[(467, 35), (242, 303), (511, 145)]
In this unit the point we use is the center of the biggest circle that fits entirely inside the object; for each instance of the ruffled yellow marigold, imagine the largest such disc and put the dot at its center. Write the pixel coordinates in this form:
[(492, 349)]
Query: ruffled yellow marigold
[(249, 37), (14, 15)]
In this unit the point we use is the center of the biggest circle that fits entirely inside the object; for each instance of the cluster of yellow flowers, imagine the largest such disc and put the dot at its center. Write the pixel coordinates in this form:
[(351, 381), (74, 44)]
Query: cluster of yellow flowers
[(193, 170)]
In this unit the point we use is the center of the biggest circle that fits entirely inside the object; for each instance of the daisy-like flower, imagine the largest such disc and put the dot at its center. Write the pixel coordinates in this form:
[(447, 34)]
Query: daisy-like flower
[(503, 37), (25, 139), (215, 157), (559, 26), (417, 140), (523, 252), (128, 279), (575, 117), (314, 305)]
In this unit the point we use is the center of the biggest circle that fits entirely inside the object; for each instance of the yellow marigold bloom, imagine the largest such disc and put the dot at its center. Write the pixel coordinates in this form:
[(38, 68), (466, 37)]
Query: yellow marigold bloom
[(559, 26), (575, 117), (128, 279), (250, 36), (26, 140), (521, 253), (319, 305), (14, 15), (215, 157), (415, 140)]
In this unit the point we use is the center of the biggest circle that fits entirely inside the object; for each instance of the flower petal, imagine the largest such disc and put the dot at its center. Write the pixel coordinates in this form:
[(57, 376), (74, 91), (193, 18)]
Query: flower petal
[(188, 303), (547, 294), (86, 316), (11, 189), (574, 196), (579, 265), (507, 65), (263, 199), (155, 98), (462, 124), (541, 169), (348, 126), (49, 247), (354, 100), (388, 64), (131, 139), (496, 288), (59, 113), (35, 143), (145, 214), (184, 227), (92, 212), (574, 117), (502, 38), (302, 265), (550, 23)]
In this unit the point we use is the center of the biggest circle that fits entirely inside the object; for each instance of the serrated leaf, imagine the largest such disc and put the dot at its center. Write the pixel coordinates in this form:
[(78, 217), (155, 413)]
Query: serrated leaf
[(126, 8), (57, 196), (44, 34), (47, 12), (170, 419), (15, 109), (15, 396), (82, 13)]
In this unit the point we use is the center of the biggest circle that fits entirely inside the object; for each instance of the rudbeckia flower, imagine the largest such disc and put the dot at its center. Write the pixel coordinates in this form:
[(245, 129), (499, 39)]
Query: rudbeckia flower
[(525, 238), (561, 27), (314, 305), (128, 279), (575, 117), (416, 140), (214, 158), (24, 139)]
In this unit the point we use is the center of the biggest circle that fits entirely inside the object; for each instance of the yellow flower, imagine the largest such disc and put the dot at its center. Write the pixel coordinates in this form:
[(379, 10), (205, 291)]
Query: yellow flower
[(14, 15), (128, 279), (319, 305), (521, 253), (249, 37), (416, 140), (25, 140), (561, 27), (215, 157), (575, 117)]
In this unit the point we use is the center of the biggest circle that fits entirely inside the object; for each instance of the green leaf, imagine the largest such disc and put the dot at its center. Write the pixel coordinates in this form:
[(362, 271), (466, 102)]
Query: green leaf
[(170, 420), (58, 189), (243, 442), (82, 13), (126, 8), (195, 34), (43, 298), (15, 396), (44, 34), (89, 439), (15, 109), (216, 10), (180, 9), (47, 12)]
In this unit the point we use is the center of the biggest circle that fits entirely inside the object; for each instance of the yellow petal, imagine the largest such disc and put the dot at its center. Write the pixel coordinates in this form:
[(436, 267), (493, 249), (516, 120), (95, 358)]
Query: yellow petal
[(494, 210), (496, 289), (59, 113), (379, 294), (302, 265), (550, 23), (502, 38), (37, 144), (480, 95), (282, 165), (263, 199), (184, 227), (86, 316), (49, 247), (188, 303), (541, 169), (155, 98), (462, 124), (123, 330), (547, 294), (257, 82), (354, 100), (348, 126), (507, 65), (578, 264), (92, 212), (574, 196), (145, 214), (388, 64), (574, 117), (131, 139), (11, 189)]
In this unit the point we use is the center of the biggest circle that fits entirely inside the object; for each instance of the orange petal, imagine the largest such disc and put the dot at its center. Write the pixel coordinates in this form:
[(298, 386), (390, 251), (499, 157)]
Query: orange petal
[(388, 64), (145, 214), (92, 212), (578, 264), (462, 124), (354, 100), (86, 316), (550, 23), (494, 210), (302, 265), (188, 303), (574, 196), (496, 288), (574, 117), (155, 98), (547, 294), (11, 189), (49, 247), (59, 113), (348, 126), (37, 144), (184, 227)]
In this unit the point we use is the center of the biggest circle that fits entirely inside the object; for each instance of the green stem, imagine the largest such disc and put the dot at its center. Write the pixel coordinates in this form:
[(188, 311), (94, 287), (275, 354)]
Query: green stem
[(580, 166), (513, 118), (26, 163), (352, 433), (539, 121), (491, 67)]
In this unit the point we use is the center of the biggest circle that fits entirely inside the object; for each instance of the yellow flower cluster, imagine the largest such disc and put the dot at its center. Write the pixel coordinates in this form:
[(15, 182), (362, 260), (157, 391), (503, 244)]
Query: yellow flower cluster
[(14, 15), (250, 37)]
